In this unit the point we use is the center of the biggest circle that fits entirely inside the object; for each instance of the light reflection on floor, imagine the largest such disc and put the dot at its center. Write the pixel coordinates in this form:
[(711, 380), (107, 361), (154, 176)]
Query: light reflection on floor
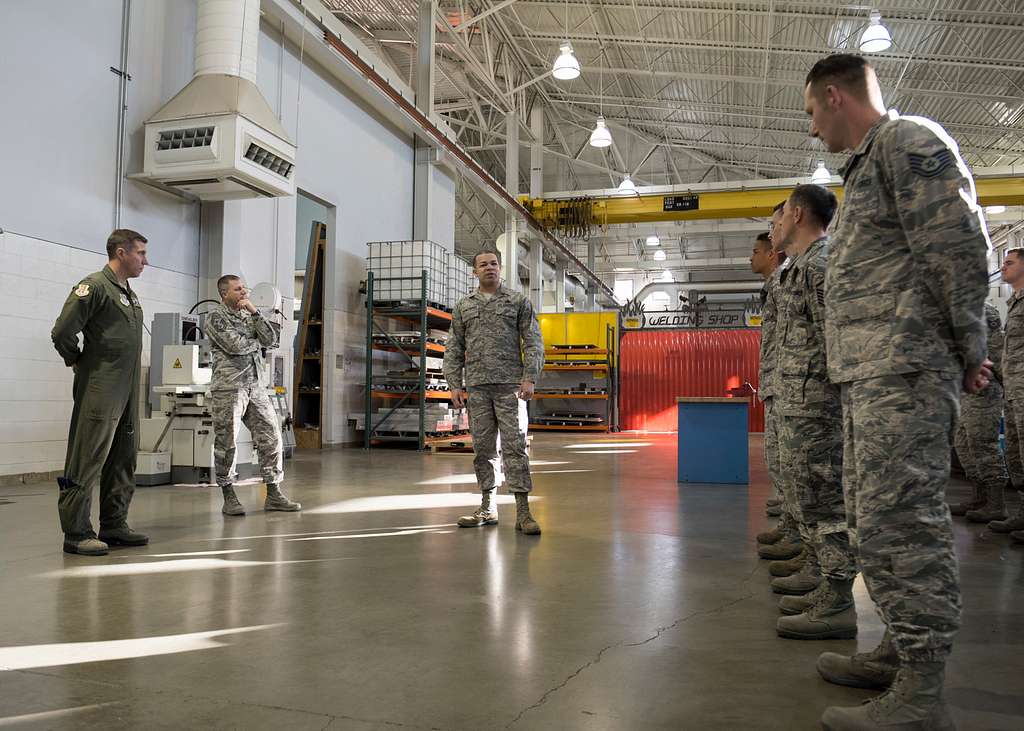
[(163, 567), (366, 535), (186, 553), (325, 532), (407, 502), (46, 716), (73, 653), (605, 451), (591, 445)]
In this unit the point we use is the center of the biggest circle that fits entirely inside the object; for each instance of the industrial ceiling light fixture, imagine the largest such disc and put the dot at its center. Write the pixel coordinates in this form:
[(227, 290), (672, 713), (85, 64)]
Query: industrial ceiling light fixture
[(875, 37), (653, 240), (659, 255), (566, 66), (821, 175), (627, 185), (601, 136)]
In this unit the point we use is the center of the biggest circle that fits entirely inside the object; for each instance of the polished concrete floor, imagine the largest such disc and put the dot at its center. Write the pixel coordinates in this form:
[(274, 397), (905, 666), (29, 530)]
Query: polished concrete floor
[(643, 606)]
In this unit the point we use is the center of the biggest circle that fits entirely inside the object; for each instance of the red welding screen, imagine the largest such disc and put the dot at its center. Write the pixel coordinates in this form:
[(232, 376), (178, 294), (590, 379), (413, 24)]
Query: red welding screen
[(656, 366)]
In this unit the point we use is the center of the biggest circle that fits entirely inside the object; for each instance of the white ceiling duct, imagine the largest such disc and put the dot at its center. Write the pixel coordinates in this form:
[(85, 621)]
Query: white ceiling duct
[(218, 138)]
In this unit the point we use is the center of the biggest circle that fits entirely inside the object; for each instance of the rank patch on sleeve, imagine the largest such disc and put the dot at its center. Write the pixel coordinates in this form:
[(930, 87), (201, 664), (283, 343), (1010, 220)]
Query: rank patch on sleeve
[(821, 294), (82, 290), (929, 166)]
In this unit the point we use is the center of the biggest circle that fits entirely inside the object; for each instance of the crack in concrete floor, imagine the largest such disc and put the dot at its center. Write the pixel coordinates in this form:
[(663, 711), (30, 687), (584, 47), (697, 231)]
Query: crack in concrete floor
[(658, 632)]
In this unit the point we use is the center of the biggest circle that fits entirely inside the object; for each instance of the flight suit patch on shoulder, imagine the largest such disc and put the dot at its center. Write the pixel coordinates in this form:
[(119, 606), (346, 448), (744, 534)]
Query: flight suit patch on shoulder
[(82, 290), (928, 166), (124, 301)]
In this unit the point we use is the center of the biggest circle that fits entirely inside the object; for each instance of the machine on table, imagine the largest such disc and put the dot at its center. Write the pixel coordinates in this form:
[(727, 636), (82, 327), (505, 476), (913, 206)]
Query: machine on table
[(176, 442)]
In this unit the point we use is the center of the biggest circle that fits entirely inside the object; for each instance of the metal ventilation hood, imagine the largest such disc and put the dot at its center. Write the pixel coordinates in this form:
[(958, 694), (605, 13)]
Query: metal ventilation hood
[(212, 95)]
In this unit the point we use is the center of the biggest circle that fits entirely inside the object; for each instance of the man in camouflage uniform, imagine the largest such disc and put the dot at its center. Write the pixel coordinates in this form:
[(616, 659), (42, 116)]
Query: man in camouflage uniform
[(495, 351), (238, 335), (103, 438), (764, 262), (782, 543), (977, 437), (904, 302), (810, 429), (1013, 383)]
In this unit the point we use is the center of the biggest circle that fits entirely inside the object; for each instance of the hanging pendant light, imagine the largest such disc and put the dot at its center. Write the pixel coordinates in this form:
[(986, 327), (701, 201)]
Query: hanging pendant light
[(875, 37), (627, 185), (659, 255), (566, 66), (601, 136), (821, 175), (653, 240)]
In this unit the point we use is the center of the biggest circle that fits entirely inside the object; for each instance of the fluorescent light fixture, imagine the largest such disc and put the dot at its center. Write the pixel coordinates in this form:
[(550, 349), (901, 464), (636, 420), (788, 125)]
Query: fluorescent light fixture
[(659, 255), (876, 36), (821, 175), (566, 66), (622, 269), (995, 210), (601, 136), (627, 185), (653, 240)]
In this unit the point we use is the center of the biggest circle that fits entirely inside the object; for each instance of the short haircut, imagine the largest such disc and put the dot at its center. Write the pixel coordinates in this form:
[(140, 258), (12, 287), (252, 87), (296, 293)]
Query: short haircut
[(763, 241), (224, 282), (486, 251), (840, 69), (123, 238), (1016, 251), (778, 207), (817, 200)]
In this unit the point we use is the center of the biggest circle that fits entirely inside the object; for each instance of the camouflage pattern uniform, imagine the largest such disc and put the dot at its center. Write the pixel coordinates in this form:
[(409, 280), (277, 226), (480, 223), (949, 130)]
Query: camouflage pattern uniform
[(494, 345), (239, 391), (977, 435), (1013, 383), (809, 413), (103, 439), (769, 350), (904, 297)]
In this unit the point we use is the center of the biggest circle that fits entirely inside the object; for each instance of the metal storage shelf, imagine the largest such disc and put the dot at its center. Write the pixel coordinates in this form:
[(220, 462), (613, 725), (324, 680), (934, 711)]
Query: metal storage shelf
[(602, 367), (601, 363), (432, 349), (560, 427), (601, 396), (438, 395)]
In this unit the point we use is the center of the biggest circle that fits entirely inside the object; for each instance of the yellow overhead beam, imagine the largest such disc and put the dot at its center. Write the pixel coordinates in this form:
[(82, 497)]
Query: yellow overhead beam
[(751, 203)]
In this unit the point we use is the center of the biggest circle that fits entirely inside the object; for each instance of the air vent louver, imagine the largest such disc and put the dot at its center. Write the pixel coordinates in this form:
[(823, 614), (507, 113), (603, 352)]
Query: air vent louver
[(176, 139), (265, 158)]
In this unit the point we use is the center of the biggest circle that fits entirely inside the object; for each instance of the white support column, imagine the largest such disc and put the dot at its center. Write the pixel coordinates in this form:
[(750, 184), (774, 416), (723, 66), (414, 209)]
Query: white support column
[(537, 151), (537, 275), (560, 267), (591, 286), (425, 102), (511, 263)]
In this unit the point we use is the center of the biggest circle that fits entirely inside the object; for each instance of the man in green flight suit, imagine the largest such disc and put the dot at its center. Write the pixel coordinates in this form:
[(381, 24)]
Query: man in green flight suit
[(103, 438)]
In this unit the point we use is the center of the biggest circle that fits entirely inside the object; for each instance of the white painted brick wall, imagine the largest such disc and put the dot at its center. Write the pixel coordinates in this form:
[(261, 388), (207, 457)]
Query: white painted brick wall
[(35, 387)]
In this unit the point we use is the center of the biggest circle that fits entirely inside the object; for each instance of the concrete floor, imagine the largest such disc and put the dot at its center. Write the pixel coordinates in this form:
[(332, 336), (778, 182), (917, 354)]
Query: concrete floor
[(643, 606)]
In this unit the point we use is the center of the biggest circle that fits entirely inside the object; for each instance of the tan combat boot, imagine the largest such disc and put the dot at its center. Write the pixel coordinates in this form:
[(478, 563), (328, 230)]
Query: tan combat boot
[(484, 515), (993, 507), (832, 616), (277, 500), (525, 521), (976, 501), (913, 702), (875, 670)]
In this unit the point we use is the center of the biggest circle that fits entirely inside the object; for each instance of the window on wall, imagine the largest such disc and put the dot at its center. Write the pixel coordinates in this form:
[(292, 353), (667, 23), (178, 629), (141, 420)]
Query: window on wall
[(657, 302), (623, 289)]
